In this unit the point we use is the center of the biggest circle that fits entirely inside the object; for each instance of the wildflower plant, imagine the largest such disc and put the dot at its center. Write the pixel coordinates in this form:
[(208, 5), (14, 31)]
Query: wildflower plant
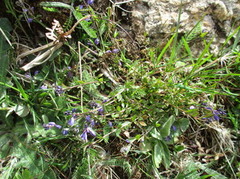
[(93, 111)]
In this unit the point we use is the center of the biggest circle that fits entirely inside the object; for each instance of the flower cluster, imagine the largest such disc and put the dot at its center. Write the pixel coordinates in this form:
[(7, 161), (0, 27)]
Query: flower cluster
[(94, 105), (72, 120), (59, 90), (89, 123), (86, 131), (215, 114)]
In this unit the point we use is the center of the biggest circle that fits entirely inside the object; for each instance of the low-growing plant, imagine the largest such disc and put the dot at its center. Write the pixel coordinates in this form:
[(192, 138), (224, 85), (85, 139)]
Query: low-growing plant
[(85, 109)]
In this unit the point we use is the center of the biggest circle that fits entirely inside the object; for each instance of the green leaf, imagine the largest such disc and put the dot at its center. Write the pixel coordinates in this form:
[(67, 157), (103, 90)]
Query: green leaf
[(157, 154), (155, 134), (182, 124), (125, 124), (50, 9), (85, 25), (166, 127), (21, 110), (106, 131), (5, 28), (165, 155), (146, 146), (56, 4), (102, 28)]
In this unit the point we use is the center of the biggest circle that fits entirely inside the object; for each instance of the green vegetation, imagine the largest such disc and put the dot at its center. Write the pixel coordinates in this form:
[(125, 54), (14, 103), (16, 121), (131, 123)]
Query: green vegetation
[(88, 109)]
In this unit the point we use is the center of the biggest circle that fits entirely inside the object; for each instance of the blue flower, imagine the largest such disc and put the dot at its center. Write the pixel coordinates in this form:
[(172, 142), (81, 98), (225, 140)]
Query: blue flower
[(105, 100), (65, 131), (59, 90), (221, 112), (51, 125), (84, 135), (88, 118), (90, 2), (115, 50), (36, 72), (80, 6), (71, 121), (110, 123), (97, 41), (67, 112), (74, 110), (168, 138), (44, 87), (58, 126), (174, 128), (94, 104), (192, 107), (28, 75), (91, 131), (108, 51), (86, 131), (216, 117), (29, 20), (100, 111)]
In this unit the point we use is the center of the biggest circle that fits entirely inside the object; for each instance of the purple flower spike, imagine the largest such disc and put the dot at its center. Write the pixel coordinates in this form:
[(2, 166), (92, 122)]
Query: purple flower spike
[(25, 10), (71, 121), (90, 2)]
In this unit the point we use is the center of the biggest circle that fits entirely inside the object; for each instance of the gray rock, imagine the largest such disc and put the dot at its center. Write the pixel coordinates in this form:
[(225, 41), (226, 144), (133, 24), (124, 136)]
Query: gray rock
[(158, 18)]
